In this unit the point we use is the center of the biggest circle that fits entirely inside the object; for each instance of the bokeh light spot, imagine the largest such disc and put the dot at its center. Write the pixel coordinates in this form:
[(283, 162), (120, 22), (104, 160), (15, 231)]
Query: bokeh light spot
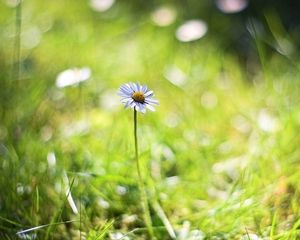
[(231, 6), (191, 30), (163, 16), (101, 5), (71, 77)]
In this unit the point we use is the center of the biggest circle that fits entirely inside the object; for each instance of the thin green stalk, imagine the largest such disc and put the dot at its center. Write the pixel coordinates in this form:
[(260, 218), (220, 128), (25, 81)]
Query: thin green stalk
[(146, 211), (17, 49)]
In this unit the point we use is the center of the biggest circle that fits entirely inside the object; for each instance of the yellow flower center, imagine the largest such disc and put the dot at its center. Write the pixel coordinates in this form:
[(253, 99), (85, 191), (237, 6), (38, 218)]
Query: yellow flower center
[(138, 97)]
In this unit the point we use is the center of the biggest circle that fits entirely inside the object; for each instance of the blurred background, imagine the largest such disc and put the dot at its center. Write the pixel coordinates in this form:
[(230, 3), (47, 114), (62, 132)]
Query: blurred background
[(220, 155)]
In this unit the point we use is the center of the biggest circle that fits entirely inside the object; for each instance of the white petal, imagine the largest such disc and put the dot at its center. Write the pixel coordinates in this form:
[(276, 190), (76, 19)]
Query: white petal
[(126, 89), (151, 101), (128, 103), (133, 87), (144, 89), (142, 107), (137, 107), (149, 93), (150, 107), (124, 95), (122, 92), (133, 104), (127, 99), (128, 86)]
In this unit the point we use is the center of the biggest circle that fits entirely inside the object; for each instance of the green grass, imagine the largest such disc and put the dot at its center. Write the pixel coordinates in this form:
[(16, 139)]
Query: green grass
[(220, 155)]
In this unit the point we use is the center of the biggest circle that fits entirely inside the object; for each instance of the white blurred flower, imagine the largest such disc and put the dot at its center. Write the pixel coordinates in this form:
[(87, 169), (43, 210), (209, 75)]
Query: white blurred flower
[(101, 5), (73, 76), (163, 16), (103, 204), (51, 159), (191, 30), (121, 190), (266, 121), (231, 6)]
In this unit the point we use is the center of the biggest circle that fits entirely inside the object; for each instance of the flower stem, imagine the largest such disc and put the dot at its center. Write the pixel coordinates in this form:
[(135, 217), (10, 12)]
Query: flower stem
[(146, 211)]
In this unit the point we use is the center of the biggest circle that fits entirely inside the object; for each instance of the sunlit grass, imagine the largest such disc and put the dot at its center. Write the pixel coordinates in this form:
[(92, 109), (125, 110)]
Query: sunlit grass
[(220, 154)]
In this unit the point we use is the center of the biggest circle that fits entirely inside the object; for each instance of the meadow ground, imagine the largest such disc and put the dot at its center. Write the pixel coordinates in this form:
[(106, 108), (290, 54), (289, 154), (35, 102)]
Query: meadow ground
[(220, 156)]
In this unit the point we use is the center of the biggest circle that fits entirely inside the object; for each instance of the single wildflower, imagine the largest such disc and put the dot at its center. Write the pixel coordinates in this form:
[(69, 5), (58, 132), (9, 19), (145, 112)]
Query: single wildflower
[(137, 96)]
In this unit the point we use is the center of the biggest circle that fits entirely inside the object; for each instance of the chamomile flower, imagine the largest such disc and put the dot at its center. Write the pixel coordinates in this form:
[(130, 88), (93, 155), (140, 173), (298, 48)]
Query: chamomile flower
[(137, 96)]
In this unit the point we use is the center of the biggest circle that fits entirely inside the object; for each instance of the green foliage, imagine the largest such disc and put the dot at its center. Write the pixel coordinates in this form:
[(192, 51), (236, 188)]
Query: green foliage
[(101, 233), (220, 156)]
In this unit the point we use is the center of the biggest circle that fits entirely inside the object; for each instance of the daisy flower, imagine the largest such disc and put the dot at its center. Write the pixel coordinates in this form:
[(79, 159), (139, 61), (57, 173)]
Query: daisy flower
[(137, 96)]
